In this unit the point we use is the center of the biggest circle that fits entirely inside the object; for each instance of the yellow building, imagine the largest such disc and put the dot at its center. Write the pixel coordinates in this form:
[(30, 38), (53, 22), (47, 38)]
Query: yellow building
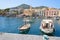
[(28, 12), (59, 13)]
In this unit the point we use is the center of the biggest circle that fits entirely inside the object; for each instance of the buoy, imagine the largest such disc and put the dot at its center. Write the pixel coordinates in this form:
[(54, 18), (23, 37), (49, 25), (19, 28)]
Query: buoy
[(45, 37)]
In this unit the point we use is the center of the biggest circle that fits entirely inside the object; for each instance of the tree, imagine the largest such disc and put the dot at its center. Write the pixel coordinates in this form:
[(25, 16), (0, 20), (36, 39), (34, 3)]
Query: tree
[(6, 10), (1, 11)]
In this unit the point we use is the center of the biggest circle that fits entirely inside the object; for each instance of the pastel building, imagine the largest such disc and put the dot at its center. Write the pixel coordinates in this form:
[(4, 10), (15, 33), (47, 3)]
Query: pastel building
[(46, 12), (50, 12), (28, 12), (40, 12), (59, 13)]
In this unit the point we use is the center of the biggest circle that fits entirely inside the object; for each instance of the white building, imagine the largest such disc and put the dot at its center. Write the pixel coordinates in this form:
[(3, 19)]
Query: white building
[(14, 10), (40, 12)]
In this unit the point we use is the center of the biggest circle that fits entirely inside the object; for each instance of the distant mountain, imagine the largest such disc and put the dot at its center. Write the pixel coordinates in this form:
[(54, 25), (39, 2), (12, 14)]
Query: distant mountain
[(24, 6), (13, 8), (40, 7)]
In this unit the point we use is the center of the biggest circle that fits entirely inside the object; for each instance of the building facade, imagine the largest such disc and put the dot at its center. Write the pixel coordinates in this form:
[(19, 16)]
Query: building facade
[(28, 12), (59, 13), (51, 12), (46, 12), (15, 10)]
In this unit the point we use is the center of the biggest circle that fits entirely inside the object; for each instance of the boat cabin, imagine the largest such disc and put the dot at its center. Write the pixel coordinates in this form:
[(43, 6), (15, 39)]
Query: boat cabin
[(47, 24)]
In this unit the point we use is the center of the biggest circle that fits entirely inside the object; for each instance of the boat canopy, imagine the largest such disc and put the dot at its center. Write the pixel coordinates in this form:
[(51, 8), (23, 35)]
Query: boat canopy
[(47, 24)]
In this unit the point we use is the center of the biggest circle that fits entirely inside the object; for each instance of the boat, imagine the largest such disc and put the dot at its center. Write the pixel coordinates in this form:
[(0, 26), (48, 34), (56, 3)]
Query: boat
[(30, 20), (24, 28), (57, 18), (47, 26)]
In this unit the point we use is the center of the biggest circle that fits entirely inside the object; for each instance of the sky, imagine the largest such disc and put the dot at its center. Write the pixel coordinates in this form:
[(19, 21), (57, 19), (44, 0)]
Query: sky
[(13, 3)]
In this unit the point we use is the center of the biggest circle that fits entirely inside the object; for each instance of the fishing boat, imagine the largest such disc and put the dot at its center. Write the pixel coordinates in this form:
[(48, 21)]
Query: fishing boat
[(47, 26), (25, 28)]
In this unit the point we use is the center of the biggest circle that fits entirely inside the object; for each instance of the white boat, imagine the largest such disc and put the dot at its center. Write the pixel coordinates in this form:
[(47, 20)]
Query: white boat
[(24, 28), (47, 26), (28, 20), (57, 18)]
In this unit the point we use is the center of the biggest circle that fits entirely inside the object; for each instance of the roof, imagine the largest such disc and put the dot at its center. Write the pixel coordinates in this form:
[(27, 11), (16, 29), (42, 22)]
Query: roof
[(47, 20)]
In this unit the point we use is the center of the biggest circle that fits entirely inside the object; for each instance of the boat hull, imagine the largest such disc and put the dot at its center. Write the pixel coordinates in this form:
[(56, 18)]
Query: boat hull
[(47, 26), (24, 31), (50, 33)]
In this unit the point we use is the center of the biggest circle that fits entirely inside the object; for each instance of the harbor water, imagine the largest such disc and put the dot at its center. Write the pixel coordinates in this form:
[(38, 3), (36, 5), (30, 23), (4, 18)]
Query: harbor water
[(11, 25)]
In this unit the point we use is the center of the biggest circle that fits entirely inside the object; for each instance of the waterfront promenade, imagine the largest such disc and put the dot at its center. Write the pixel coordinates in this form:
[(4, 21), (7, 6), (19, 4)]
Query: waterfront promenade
[(10, 36)]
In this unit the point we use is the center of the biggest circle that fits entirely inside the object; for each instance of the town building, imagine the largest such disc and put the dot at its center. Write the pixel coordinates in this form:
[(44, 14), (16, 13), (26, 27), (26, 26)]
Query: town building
[(45, 12), (15, 10), (50, 12), (31, 11), (40, 12), (59, 13), (28, 12)]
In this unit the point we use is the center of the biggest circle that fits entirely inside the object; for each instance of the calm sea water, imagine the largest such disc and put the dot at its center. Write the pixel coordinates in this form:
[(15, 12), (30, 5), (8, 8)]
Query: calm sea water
[(11, 24)]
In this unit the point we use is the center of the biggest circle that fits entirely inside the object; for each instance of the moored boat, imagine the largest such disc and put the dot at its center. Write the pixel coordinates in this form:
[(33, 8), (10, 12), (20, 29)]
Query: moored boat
[(25, 28), (30, 20), (57, 18), (47, 26)]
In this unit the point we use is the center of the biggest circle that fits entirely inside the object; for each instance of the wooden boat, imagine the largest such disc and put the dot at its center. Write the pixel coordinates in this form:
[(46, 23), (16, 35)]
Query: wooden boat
[(47, 26), (25, 28)]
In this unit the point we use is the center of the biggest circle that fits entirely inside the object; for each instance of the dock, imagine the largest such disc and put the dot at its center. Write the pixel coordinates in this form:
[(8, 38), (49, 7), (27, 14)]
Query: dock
[(11, 36)]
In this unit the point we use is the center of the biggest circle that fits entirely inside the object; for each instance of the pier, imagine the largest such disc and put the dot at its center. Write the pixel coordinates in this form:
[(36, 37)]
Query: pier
[(11, 36)]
